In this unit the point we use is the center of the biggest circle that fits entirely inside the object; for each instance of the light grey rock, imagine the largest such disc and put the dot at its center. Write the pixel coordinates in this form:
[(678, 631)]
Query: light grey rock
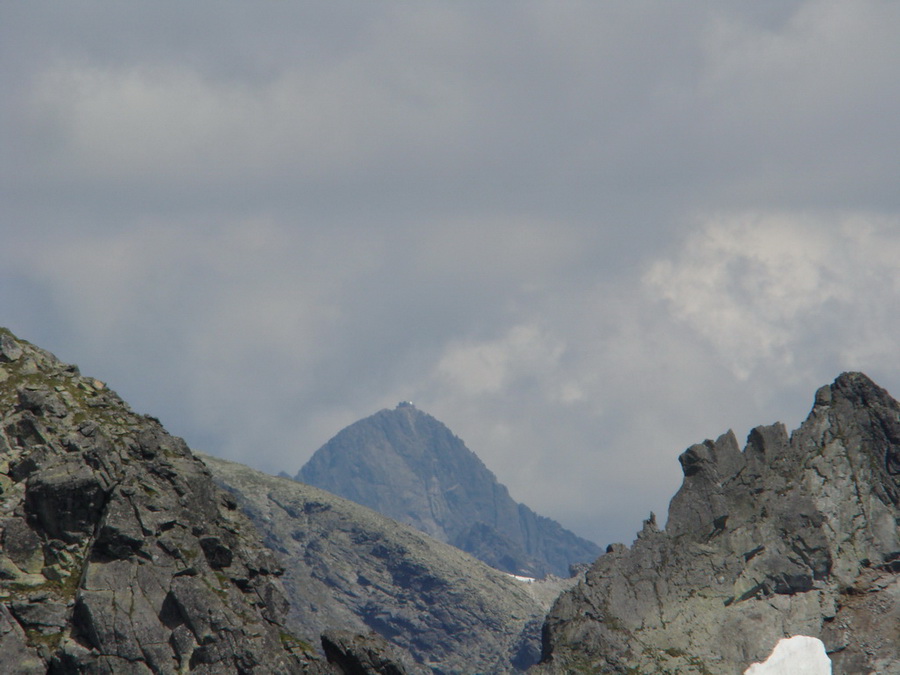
[(796, 535), (16, 655), (9, 348)]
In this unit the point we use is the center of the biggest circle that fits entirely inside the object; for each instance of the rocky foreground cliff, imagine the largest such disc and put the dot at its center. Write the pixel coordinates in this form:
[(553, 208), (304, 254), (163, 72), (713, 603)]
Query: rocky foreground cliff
[(793, 535), (118, 553), (409, 466)]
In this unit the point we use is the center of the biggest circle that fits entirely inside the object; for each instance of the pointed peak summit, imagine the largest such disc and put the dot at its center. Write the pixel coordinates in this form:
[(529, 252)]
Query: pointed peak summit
[(410, 466)]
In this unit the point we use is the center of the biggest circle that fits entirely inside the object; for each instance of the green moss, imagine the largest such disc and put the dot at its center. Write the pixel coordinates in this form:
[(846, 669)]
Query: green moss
[(35, 638), (292, 642)]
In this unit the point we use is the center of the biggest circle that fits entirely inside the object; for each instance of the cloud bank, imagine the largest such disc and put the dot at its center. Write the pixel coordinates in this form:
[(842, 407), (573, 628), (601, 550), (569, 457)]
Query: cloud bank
[(584, 236)]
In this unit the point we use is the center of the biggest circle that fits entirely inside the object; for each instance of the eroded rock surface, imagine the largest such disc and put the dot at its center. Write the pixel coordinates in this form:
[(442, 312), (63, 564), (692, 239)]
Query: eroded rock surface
[(118, 553), (794, 535)]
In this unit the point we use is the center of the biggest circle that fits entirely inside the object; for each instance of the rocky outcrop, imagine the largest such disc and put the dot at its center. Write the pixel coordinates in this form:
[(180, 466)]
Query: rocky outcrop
[(351, 568), (118, 553), (355, 654), (409, 466), (794, 535)]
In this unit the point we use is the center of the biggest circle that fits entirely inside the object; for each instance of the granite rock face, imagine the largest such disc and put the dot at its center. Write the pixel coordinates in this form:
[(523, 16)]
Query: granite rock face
[(118, 553), (409, 466), (348, 567), (794, 535)]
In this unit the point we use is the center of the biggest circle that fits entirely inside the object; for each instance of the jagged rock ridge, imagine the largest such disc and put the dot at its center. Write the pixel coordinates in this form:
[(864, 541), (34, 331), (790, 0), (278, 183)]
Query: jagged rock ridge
[(409, 466), (348, 566), (118, 553), (793, 536)]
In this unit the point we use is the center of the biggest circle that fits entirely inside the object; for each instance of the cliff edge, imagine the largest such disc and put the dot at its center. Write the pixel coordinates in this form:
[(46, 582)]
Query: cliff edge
[(794, 535)]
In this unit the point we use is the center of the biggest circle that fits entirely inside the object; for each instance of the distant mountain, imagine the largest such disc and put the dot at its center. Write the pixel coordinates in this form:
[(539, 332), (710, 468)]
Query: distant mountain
[(409, 466), (794, 535), (347, 566)]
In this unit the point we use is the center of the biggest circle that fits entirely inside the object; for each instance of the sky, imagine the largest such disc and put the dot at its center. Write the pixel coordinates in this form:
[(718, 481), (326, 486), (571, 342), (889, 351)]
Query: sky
[(583, 235)]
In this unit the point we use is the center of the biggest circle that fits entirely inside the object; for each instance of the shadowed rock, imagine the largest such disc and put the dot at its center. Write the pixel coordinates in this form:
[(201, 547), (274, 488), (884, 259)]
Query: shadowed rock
[(118, 554)]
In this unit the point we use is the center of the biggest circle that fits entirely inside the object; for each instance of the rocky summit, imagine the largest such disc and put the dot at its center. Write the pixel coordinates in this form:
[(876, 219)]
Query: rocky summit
[(794, 535), (409, 466), (119, 554)]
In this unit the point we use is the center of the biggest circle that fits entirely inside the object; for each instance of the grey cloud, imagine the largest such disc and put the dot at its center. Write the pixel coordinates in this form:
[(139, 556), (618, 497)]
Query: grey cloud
[(566, 230)]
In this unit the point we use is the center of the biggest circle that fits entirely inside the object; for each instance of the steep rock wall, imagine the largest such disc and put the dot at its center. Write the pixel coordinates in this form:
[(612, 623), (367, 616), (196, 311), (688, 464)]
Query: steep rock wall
[(791, 536)]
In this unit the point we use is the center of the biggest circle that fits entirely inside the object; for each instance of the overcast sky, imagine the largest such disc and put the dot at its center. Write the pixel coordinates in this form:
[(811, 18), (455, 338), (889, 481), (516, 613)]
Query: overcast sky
[(584, 235)]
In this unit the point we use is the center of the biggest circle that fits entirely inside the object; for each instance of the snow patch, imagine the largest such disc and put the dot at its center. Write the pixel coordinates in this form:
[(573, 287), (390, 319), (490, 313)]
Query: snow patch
[(527, 580), (798, 655)]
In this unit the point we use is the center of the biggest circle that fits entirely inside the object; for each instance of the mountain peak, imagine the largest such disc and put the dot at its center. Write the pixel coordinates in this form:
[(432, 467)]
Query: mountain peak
[(409, 466), (795, 535)]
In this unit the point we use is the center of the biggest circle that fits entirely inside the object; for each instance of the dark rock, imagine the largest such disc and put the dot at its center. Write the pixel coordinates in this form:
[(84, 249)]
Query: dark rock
[(120, 534), (29, 462), (360, 655), (43, 615), (41, 402), (118, 553), (16, 655), (66, 499), (218, 555)]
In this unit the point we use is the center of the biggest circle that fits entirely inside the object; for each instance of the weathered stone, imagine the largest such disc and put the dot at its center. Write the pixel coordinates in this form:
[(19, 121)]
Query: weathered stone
[(29, 462), (218, 555), (41, 402), (794, 536), (111, 509), (9, 348), (45, 615), (358, 655), (120, 534), (66, 499), (22, 545), (16, 656)]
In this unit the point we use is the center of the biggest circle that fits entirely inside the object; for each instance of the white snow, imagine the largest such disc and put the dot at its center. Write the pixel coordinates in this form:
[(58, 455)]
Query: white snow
[(527, 580), (798, 655)]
